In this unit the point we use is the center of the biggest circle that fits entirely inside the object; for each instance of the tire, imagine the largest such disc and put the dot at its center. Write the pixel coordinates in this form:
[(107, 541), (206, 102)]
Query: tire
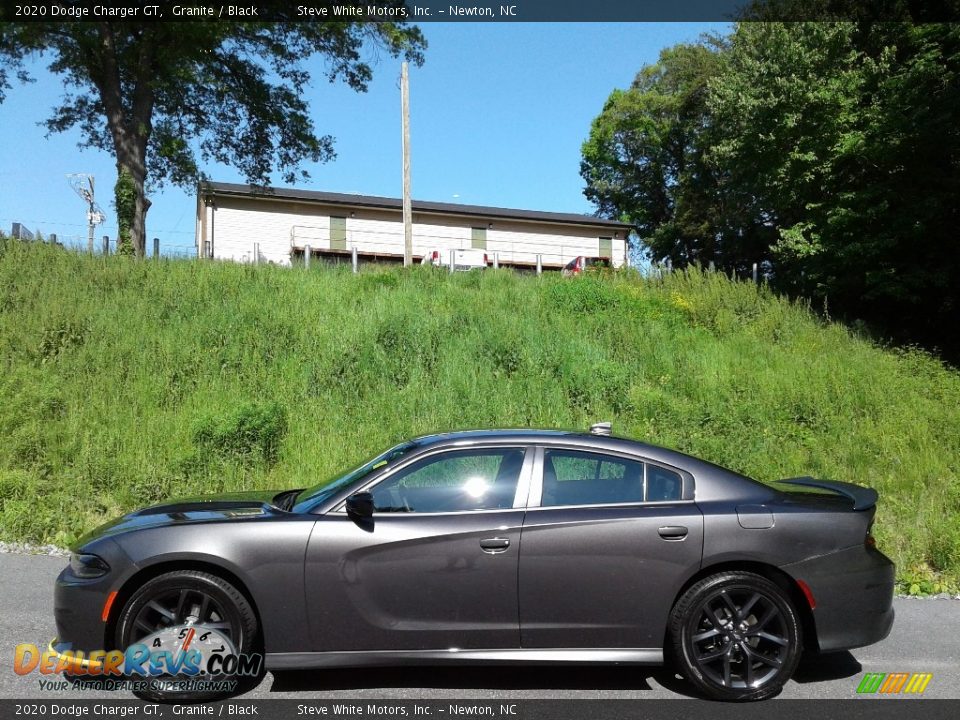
[(224, 603), (748, 659)]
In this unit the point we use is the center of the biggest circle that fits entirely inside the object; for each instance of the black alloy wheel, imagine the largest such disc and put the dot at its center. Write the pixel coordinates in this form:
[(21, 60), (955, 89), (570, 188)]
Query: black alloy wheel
[(181, 606), (186, 599), (736, 636)]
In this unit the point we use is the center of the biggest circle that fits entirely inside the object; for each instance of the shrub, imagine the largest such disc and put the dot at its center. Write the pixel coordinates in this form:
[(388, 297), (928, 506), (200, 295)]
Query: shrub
[(251, 432)]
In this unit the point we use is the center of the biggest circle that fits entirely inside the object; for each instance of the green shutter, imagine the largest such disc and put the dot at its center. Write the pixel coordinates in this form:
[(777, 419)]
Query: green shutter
[(606, 248), (479, 238), (338, 233)]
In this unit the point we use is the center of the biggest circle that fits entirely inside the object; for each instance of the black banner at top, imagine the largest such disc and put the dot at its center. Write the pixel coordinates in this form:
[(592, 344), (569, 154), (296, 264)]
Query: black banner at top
[(422, 11)]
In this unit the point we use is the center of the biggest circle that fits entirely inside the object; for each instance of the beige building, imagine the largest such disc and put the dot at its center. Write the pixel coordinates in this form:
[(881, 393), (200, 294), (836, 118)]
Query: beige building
[(241, 223)]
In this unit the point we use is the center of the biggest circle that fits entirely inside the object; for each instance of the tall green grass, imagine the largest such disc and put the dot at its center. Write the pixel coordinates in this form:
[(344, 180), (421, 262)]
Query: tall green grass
[(123, 383)]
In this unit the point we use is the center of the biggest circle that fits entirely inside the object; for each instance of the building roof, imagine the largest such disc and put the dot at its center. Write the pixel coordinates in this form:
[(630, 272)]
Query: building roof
[(420, 206)]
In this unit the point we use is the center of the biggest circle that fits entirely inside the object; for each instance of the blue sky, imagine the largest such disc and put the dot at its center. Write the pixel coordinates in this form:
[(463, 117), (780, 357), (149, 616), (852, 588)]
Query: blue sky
[(498, 115)]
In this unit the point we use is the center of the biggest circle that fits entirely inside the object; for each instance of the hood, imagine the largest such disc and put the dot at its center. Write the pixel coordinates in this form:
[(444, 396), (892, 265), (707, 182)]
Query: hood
[(200, 509)]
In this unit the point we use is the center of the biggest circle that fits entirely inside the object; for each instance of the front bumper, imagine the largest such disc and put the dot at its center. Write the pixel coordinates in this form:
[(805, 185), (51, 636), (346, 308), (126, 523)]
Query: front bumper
[(854, 590), (78, 609), (78, 603)]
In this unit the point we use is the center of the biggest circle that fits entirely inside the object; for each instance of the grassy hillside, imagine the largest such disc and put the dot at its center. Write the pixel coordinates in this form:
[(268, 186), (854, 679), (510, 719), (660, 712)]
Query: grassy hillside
[(123, 383)]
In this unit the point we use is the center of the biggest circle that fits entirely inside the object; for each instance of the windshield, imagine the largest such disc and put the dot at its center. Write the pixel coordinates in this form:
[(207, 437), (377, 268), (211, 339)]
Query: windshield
[(319, 493)]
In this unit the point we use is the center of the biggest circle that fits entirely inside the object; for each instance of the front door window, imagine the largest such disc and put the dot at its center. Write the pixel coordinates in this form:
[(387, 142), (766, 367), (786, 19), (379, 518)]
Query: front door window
[(455, 481)]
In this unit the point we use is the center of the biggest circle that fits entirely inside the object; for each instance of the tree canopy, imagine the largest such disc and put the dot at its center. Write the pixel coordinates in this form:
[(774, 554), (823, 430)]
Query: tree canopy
[(167, 98), (829, 152)]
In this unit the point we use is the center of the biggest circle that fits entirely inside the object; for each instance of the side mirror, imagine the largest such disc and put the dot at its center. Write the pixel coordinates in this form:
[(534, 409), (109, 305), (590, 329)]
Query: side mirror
[(360, 505)]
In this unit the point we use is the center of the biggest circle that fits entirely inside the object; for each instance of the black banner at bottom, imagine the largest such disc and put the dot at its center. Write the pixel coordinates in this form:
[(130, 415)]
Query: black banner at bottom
[(500, 709)]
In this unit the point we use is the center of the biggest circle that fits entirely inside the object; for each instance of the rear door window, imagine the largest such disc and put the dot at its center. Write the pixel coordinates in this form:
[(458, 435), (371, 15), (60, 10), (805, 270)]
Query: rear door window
[(574, 477)]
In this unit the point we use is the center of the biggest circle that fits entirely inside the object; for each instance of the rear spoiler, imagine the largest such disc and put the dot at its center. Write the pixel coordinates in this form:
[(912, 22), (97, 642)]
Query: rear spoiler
[(863, 498)]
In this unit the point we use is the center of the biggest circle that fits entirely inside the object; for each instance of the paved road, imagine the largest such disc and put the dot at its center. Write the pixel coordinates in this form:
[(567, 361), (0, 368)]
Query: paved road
[(925, 638)]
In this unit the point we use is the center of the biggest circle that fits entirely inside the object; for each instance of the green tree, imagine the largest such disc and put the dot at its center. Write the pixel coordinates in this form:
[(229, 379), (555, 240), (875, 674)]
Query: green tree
[(648, 161), (845, 136), (643, 161), (829, 151), (165, 97)]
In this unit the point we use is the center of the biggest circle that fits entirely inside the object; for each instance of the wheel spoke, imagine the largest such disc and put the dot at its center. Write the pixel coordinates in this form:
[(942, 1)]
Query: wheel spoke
[(181, 601), (204, 609), (711, 655), (765, 659), (715, 618), (217, 626), (706, 634), (748, 675), (730, 604), (143, 625), (767, 617), (783, 642), (154, 605), (745, 610), (726, 668)]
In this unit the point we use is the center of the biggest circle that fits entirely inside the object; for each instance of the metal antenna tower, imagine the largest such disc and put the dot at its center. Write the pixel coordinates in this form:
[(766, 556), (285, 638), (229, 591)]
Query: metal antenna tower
[(82, 185)]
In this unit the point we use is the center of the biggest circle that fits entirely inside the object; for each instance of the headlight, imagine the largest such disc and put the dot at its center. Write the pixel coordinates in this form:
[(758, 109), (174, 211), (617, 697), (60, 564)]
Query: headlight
[(88, 566)]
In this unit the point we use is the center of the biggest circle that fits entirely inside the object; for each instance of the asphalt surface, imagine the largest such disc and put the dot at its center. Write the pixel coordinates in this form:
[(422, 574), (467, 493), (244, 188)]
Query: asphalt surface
[(924, 639)]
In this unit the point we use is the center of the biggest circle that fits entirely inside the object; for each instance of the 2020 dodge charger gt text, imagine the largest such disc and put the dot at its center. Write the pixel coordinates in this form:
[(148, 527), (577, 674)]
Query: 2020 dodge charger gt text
[(500, 546)]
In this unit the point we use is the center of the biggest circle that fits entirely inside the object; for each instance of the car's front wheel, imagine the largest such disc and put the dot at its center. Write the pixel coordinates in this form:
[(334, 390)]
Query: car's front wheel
[(186, 611), (736, 636)]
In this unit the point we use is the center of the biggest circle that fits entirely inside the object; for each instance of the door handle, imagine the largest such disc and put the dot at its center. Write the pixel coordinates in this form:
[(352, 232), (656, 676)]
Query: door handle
[(495, 545), (673, 532)]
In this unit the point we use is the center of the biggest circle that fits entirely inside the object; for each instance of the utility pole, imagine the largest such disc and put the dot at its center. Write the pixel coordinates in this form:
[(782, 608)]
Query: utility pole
[(407, 208), (82, 185), (91, 215)]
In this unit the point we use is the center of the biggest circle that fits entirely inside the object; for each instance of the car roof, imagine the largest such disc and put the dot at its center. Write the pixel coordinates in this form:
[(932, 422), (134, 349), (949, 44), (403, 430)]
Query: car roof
[(713, 481), (527, 435)]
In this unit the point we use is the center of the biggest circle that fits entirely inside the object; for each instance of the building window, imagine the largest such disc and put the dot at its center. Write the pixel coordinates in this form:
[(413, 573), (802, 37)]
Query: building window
[(338, 233), (478, 237), (606, 248)]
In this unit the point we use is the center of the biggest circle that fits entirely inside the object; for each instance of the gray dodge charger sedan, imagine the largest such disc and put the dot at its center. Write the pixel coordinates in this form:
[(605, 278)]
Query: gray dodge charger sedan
[(493, 546)]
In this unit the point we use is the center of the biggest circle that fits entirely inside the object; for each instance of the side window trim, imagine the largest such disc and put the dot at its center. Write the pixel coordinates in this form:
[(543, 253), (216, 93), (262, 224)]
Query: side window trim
[(524, 481), (536, 488)]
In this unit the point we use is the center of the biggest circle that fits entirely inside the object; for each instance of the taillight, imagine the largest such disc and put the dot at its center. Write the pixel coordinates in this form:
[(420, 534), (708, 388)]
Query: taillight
[(435, 255), (485, 260)]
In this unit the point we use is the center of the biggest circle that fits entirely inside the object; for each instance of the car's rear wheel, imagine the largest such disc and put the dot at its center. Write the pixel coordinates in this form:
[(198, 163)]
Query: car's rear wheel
[(161, 615), (736, 636)]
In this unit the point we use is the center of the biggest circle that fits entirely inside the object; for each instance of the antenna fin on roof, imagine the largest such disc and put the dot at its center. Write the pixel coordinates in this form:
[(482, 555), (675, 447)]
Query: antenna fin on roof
[(600, 428)]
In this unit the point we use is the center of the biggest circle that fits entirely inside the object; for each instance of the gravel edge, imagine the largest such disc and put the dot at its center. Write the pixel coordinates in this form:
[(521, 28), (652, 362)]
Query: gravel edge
[(16, 548)]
